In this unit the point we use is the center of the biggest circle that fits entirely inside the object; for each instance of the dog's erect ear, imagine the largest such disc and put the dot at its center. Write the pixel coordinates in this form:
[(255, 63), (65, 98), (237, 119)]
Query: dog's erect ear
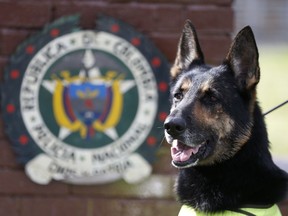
[(188, 50), (243, 59)]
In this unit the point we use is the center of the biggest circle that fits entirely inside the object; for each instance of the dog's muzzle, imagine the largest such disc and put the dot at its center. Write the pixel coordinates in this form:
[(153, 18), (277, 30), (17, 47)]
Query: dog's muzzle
[(183, 154), (174, 126)]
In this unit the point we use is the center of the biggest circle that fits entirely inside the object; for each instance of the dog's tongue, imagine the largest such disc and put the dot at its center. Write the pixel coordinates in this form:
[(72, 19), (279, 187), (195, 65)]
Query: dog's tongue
[(181, 152)]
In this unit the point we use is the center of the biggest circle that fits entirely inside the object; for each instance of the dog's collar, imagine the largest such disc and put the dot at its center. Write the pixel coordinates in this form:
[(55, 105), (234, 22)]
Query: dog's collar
[(272, 210)]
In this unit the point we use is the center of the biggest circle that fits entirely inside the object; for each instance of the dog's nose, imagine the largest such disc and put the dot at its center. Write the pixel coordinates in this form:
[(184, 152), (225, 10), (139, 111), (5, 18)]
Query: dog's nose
[(174, 126)]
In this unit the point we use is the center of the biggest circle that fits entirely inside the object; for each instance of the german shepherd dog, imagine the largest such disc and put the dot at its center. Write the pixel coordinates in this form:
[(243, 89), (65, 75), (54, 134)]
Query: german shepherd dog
[(217, 131)]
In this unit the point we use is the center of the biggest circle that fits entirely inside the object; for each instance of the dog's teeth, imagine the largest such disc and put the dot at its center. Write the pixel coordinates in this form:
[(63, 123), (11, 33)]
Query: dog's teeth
[(195, 149)]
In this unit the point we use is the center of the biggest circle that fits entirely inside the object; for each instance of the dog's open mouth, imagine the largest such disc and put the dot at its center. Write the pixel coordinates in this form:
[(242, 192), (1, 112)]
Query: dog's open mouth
[(184, 156)]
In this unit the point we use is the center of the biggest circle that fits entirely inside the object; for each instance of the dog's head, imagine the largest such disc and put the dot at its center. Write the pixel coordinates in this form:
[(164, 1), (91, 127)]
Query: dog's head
[(212, 107)]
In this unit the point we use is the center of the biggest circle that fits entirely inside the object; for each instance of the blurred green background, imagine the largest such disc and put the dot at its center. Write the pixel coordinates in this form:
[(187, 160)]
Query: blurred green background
[(269, 21), (273, 90)]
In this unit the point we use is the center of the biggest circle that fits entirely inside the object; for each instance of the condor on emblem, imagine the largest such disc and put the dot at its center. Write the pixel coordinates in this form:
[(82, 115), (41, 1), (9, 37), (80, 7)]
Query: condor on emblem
[(82, 106)]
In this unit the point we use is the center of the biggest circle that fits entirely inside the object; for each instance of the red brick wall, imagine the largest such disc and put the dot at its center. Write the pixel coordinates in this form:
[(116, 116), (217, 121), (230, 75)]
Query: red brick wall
[(162, 21)]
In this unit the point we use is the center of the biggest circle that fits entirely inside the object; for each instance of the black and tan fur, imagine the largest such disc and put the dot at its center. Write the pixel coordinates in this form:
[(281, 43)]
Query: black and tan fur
[(216, 107)]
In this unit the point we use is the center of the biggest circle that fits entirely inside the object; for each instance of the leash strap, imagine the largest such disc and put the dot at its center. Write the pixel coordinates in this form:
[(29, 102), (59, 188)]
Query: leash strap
[(280, 105), (241, 211)]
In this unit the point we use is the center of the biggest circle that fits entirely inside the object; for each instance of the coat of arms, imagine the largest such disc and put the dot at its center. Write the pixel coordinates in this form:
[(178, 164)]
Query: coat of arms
[(83, 106)]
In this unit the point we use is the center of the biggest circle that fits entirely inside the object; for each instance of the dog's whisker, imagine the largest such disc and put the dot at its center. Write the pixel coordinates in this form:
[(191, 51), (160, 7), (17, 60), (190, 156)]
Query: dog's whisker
[(162, 141)]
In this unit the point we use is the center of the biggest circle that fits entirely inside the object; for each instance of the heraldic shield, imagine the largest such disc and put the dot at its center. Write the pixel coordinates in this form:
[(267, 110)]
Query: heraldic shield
[(85, 106), (88, 105)]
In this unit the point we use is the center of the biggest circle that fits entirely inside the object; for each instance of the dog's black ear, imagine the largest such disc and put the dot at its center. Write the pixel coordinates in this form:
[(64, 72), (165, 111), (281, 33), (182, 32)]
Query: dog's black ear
[(189, 50), (243, 59)]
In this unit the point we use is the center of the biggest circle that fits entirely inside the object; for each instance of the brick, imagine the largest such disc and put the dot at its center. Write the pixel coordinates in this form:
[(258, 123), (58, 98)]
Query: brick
[(215, 47), (156, 21), (7, 156), (198, 2), (133, 207), (96, 206), (9, 206), (25, 14), (167, 44), (53, 206), (216, 19), (130, 13), (106, 207), (16, 182), (204, 17), (120, 1), (150, 207), (87, 10), (175, 14), (10, 39), (156, 186)]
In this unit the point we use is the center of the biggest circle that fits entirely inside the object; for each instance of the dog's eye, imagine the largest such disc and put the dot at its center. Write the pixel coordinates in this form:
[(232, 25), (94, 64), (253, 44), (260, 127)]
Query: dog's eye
[(178, 96), (210, 97)]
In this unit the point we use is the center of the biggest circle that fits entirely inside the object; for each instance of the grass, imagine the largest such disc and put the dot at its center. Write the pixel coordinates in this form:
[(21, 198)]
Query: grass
[(273, 90)]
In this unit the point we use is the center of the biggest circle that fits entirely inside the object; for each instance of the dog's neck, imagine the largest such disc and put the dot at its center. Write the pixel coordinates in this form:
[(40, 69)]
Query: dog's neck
[(249, 178)]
